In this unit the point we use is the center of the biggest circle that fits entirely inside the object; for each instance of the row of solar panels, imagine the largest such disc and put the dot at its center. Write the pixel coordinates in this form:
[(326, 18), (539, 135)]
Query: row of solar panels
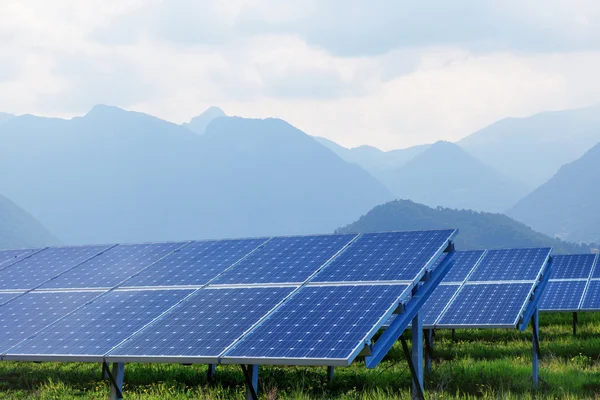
[(486, 288), (574, 285), (290, 300)]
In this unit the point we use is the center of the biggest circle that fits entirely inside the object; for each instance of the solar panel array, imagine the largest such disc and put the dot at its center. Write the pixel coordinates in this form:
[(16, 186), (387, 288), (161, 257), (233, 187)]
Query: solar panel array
[(486, 288), (575, 284), (288, 300)]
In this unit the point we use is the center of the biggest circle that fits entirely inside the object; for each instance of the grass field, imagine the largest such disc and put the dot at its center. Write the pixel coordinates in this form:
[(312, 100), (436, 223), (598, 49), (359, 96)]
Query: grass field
[(477, 364)]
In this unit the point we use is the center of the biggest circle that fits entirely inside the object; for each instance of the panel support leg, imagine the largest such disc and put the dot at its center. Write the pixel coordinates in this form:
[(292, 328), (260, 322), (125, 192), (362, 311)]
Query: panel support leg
[(454, 334), (251, 379), (575, 323), (429, 343), (417, 357), (330, 371), (116, 381), (211, 372), (105, 370), (536, 347)]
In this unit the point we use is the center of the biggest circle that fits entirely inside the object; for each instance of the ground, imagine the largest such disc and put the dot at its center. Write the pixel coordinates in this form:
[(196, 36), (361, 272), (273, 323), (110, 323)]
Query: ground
[(476, 364)]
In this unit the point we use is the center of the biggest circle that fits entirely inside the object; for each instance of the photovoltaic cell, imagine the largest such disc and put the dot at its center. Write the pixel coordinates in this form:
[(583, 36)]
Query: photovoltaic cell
[(591, 301), (395, 256), (7, 296), (464, 261), (436, 303), (113, 266), (285, 260), (30, 313), (96, 328), (8, 257), (205, 324), (573, 266), (511, 264), (40, 267), (195, 264), (487, 305), (562, 295), (320, 322)]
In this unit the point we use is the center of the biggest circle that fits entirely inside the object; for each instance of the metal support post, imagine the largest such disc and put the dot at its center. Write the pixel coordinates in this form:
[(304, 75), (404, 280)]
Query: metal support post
[(116, 381), (211, 372), (105, 370), (536, 347), (417, 355), (251, 379), (330, 371), (454, 334), (575, 323), (429, 343)]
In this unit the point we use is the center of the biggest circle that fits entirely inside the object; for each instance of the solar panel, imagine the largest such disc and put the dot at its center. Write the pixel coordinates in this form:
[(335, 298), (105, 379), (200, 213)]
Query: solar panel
[(285, 260), (31, 312), (511, 265), (591, 300), (562, 295), (31, 272), (204, 325), (113, 266), (464, 261), (195, 264), (438, 301), (389, 256), (7, 296), (492, 305), (8, 257), (596, 271), (573, 266), (319, 323), (93, 330)]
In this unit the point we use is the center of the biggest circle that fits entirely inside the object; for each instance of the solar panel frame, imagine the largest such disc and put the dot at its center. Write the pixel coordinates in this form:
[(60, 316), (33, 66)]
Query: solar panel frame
[(560, 264), (548, 304), (10, 355), (315, 361), (115, 356), (430, 264)]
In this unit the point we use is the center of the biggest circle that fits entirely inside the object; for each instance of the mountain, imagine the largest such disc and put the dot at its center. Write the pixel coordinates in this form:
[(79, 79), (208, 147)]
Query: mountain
[(198, 124), (5, 117), (445, 175), (532, 149), (375, 161), (18, 229), (476, 230), (119, 176), (568, 205)]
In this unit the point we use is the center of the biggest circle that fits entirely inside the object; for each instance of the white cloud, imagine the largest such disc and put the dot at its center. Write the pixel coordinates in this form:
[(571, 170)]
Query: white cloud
[(354, 74)]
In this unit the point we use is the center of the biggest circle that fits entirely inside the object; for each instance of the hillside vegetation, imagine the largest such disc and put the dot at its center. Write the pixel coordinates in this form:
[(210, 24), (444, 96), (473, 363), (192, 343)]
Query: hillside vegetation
[(18, 229), (477, 230)]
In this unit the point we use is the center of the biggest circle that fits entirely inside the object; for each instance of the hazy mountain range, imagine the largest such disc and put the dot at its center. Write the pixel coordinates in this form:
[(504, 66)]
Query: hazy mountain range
[(119, 176), (568, 205), (18, 229)]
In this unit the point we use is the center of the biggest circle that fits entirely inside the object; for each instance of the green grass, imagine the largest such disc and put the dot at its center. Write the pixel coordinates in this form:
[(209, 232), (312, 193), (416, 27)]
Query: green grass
[(486, 364)]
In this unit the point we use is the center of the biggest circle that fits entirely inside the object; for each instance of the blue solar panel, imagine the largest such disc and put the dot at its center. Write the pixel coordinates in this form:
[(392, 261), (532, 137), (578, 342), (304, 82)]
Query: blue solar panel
[(511, 264), (40, 267), (205, 324), (7, 296), (562, 295), (591, 300), (285, 259), (95, 329), (490, 305), (464, 261), (112, 267), (8, 257), (436, 303), (30, 313), (195, 264), (596, 272), (400, 256), (573, 266), (329, 322)]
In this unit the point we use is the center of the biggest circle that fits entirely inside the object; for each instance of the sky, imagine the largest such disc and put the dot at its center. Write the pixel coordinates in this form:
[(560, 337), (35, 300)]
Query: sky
[(388, 73)]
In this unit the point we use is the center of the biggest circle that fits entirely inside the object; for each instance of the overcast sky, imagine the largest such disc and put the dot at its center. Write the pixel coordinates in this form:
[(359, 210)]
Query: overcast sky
[(390, 73)]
